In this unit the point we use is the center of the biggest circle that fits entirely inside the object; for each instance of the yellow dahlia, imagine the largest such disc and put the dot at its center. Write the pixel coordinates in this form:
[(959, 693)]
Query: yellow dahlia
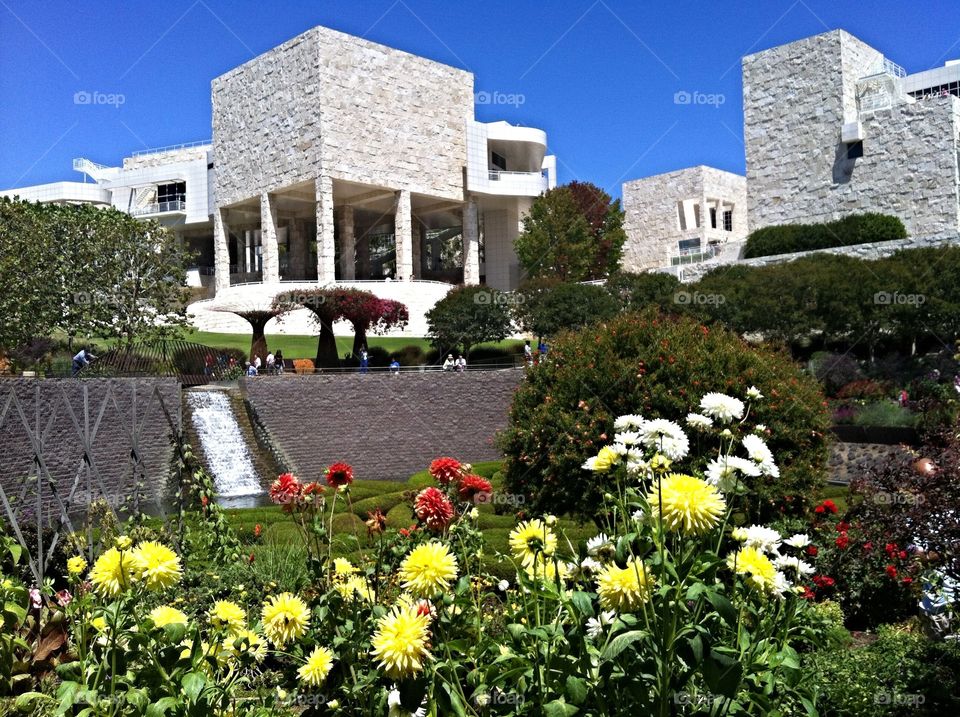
[(227, 615), (354, 586), (690, 505), (157, 565), (530, 539), (318, 665), (759, 570), (166, 615), (343, 568), (428, 569), (76, 565), (547, 569), (285, 618), (112, 573), (626, 588), (401, 641), (247, 642)]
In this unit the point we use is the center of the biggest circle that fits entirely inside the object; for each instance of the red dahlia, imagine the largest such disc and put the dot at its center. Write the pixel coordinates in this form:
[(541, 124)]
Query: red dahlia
[(433, 508), (285, 489), (446, 469), (891, 570), (471, 487), (339, 474), (842, 542)]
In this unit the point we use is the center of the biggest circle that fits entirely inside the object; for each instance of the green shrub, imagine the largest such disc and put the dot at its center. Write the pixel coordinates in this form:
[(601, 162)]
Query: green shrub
[(656, 366), (409, 356), (885, 413), (902, 673), (853, 229)]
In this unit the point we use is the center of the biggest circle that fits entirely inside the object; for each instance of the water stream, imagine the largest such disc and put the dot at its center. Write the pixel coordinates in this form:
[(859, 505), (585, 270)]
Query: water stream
[(228, 456)]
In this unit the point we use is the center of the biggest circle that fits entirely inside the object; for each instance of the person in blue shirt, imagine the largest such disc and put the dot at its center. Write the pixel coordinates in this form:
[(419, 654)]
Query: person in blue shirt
[(542, 349), (364, 360), (83, 358), (394, 366)]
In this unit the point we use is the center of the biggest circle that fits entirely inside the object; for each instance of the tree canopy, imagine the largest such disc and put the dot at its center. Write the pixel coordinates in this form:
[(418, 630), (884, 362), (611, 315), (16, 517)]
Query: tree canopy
[(467, 316), (544, 307), (572, 233), (87, 272)]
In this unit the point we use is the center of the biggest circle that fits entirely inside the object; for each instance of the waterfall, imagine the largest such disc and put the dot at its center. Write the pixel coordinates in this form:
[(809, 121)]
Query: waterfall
[(227, 453)]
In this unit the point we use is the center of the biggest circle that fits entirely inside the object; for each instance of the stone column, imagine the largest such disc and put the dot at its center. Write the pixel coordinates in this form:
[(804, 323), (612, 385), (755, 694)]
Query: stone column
[(362, 245), (403, 235), (221, 250), (326, 249), (298, 249), (268, 239), (418, 232), (348, 259), (471, 243), (248, 261)]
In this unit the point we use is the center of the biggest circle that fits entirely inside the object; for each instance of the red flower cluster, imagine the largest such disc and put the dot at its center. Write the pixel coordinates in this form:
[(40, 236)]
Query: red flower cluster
[(823, 581), (473, 487), (827, 506), (433, 508), (842, 542), (289, 492), (445, 470), (286, 489), (339, 474)]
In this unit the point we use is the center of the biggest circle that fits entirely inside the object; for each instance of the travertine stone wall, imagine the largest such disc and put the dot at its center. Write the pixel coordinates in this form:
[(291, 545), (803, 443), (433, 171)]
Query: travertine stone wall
[(341, 105), (651, 215), (796, 98), (130, 408), (157, 159), (386, 426)]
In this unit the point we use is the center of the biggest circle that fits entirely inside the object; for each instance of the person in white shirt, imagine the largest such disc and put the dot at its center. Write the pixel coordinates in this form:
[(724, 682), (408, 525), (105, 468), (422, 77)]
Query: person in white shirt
[(257, 363), (461, 363), (450, 363), (271, 362)]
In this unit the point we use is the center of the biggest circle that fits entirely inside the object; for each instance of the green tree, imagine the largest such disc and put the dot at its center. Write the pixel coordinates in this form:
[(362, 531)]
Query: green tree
[(544, 307), (467, 316), (635, 292), (572, 233)]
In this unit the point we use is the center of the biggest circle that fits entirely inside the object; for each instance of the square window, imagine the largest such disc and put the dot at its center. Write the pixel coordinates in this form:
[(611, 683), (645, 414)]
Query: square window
[(854, 150)]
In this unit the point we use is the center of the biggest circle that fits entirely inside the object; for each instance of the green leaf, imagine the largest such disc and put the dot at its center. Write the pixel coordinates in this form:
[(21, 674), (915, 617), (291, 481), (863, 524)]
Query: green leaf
[(576, 689), (193, 684), (559, 708), (620, 643), (160, 707), (722, 674), (723, 606), (582, 602)]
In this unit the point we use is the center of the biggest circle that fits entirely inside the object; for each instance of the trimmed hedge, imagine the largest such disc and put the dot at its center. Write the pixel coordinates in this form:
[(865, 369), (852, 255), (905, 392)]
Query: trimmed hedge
[(854, 229)]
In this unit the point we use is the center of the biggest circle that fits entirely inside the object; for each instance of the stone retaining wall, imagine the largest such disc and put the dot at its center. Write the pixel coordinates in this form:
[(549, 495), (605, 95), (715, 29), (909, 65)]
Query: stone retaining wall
[(131, 419), (386, 426)]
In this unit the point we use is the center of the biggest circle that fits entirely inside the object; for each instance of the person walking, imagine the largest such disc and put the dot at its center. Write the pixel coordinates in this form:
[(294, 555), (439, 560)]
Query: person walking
[(208, 364), (364, 360), (527, 353), (81, 360), (271, 362), (279, 360)]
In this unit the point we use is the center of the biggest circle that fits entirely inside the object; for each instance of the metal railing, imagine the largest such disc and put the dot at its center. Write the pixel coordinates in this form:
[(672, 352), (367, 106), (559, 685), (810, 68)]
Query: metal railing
[(497, 174), (177, 205), (172, 147)]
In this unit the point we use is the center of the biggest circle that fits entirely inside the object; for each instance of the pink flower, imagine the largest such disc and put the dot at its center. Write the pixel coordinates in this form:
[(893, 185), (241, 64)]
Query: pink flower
[(285, 489), (64, 598), (36, 602), (446, 469)]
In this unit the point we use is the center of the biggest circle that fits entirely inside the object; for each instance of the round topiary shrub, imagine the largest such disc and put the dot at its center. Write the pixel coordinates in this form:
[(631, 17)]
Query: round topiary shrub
[(659, 367)]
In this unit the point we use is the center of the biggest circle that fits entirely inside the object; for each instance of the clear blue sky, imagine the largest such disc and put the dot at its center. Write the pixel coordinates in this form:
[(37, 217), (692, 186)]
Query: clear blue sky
[(600, 77)]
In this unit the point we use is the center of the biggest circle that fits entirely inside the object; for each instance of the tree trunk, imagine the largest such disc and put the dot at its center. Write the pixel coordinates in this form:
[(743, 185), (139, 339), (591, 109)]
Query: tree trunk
[(359, 338), (326, 346), (258, 342)]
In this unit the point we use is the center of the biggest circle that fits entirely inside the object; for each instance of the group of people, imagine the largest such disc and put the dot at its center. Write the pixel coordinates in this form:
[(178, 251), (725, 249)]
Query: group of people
[(528, 355), (273, 366), (455, 364)]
